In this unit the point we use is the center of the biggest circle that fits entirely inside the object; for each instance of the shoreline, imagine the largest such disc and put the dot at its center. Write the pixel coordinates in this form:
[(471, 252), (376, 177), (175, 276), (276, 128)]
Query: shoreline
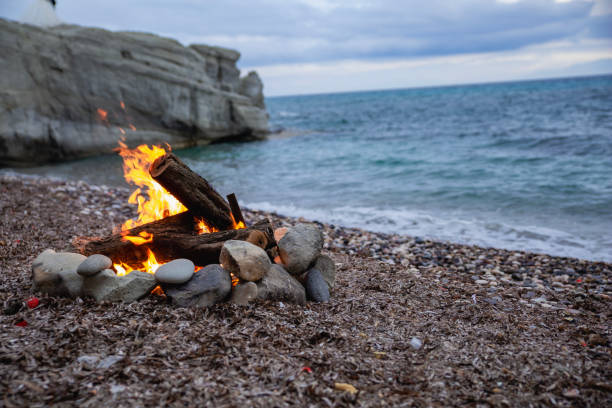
[(398, 238), (495, 327), (516, 267)]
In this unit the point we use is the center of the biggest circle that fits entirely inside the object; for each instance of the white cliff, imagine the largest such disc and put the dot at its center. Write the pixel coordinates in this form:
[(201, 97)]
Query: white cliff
[(54, 81)]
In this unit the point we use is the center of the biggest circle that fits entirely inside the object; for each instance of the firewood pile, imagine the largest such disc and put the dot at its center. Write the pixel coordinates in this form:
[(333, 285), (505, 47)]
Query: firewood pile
[(198, 257), (178, 236)]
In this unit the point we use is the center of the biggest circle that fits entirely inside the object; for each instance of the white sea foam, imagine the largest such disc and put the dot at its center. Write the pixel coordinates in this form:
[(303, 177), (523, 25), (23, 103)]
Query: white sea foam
[(454, 228)]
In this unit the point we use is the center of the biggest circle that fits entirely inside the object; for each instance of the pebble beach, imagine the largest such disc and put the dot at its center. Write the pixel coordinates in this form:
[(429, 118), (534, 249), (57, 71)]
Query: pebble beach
[(410, 322)]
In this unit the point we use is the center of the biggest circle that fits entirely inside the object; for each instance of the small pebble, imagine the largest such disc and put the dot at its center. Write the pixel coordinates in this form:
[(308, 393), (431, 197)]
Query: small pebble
[(94, 264)]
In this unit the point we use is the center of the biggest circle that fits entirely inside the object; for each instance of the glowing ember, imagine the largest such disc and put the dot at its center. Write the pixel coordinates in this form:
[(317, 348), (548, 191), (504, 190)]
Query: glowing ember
[(158, 291)]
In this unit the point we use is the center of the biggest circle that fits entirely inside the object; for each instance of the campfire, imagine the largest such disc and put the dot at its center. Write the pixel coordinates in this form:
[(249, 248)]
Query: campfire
[(191, 222), (190, 244)]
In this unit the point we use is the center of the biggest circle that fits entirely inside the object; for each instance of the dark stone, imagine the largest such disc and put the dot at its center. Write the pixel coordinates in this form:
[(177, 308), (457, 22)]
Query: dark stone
[(316, 287), (12, 307), (278, 285), (208, 286)]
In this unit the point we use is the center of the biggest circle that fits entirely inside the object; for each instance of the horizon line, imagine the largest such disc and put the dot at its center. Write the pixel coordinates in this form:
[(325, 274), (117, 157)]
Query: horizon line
[(509, 81)]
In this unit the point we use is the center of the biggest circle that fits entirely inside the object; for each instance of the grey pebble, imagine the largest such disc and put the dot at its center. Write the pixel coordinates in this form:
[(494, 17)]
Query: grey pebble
[(175, 272), (94, 264), (209, 286)]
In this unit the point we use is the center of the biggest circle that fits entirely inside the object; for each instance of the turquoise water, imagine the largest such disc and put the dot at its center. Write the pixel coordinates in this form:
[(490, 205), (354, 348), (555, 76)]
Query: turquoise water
[(524, 165)]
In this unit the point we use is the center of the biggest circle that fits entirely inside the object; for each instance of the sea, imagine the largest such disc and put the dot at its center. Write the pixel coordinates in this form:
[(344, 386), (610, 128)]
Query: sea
[(515, 165)]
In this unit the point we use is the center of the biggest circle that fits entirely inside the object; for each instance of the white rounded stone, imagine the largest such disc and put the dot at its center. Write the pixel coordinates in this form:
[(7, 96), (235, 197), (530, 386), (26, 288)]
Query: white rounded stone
[(175, 272)]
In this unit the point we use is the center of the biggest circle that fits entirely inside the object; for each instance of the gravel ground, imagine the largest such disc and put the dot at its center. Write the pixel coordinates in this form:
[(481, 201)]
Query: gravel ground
[(497, 327)]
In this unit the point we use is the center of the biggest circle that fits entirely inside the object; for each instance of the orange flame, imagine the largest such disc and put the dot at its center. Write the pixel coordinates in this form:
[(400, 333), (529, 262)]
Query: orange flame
[(149, 266), (143, 238), (203, 228), (157, 203), (153, 201), (235, 279)]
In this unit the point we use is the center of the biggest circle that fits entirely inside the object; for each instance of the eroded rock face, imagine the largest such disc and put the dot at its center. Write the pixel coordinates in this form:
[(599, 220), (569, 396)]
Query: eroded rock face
[(54, 81), (299, 247), (208, 286), (278, 285), (252, 87), (55, 273)]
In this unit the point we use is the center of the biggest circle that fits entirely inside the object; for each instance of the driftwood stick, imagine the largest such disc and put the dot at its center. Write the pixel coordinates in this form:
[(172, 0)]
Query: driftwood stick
[(193, 191), (236, 212), (202, 249)]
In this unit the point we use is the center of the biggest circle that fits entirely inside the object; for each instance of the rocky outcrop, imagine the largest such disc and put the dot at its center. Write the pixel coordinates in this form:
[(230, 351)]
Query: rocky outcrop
[(70, 91)]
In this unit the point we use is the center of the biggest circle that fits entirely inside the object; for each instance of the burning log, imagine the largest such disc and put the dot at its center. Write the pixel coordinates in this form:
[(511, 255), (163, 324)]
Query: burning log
[(182, 223), (193, 191), (171, 240), (236, 212)]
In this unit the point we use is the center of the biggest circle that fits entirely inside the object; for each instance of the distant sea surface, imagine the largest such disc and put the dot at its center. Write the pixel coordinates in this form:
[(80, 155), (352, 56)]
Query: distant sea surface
[(522, 165)]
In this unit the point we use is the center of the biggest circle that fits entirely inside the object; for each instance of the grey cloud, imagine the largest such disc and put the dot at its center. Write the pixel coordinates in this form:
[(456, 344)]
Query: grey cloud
[(282, 31)]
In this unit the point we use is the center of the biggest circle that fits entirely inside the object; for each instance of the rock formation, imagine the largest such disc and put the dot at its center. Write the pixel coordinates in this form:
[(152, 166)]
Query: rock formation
[(71, 91)]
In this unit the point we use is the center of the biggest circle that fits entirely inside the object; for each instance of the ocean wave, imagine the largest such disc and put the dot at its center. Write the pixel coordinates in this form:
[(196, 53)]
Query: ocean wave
[(454, 228), (287, 114)]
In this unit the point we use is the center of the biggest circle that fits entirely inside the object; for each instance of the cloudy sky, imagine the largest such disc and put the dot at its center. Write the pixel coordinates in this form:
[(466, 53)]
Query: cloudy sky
[(313, 46)]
